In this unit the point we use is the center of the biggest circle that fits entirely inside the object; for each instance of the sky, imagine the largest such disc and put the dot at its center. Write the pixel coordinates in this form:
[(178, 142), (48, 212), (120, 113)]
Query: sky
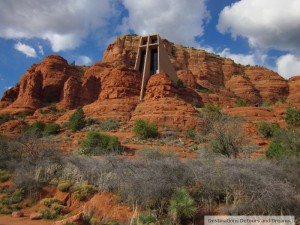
[(255, 32)]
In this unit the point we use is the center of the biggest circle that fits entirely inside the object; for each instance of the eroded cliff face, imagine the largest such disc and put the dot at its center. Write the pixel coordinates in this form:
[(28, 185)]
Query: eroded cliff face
[(110, 89), (198, 67)]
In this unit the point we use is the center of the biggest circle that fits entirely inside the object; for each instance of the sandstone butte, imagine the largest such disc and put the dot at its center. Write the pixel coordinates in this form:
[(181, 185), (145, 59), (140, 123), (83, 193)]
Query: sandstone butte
[(110, 88)]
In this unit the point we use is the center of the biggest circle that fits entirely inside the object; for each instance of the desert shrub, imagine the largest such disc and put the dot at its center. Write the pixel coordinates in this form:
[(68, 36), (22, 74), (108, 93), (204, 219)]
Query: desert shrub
[(57, 207), (145, 130), (54, 210), (267, 129), (14, 197), (227, 138), (146, 219), (83, 190), (267, 103), (110, 125), (239, 186), (5, 118), (292, 116), (240, 102), (98, 144), (48, 214), (5, 210), (202, 89), (87, 215), (190, 133), (182, 206), (148, 153), (5, 175), (243, 187), (77, 120), (64, 186), (285, 144), (51, 129), (90, 121), (48, 202), (36, 128), (180, 84), (210, 108)]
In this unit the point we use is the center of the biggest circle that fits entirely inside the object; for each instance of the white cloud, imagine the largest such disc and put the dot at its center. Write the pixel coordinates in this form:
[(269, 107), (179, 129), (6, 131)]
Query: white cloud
[(177, 20), (288, 65), (83, 60), (25, 49), (265, 23), (64, 23), (257, 58), (41, 49)]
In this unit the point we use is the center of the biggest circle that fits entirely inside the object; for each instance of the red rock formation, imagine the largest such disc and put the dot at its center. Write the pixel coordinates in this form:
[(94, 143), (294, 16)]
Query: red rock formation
[(163, 106), (242, 87), (187, 78), (209, 70), (110, 89), (120, 83), (294, 89), (42, 83), (270, 85)]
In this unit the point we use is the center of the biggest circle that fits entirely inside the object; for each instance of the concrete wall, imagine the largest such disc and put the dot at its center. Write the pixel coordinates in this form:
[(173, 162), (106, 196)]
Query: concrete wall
[(164, 64)]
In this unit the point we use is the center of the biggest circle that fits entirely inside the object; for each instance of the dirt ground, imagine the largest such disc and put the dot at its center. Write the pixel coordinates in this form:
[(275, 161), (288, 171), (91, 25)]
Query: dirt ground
[(8, 220)]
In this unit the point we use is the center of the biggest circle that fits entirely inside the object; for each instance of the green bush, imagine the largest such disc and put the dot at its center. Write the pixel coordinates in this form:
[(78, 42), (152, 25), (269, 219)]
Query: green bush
[(110, 125), (48, 214), (212, 109), (267, 103), (5, 175), (48, 202), (5, 118), (77, 120), (285, 144), (51, 129), (146, 219), (145, 130), (90, 121), (5, 210), (64, 186), (292, 116), (98, 144), (55, 208), (37, 128), (190, 133), (13, 198), (240, 102), (182, 205), (83, 190), (267, 129)]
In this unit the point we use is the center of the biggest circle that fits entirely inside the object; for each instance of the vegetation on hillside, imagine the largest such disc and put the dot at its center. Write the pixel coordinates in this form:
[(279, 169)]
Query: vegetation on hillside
[(179, 191), (145, 130)]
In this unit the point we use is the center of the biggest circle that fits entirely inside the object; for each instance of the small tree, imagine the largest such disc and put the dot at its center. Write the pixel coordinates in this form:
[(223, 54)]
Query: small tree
[(182, 206), (98, 144), (285, 144), (240, 102), (51, 129), (109, 125), (267, 129), (145, 130), (227, 138), (292, 116), (36, 128), (77, 120)]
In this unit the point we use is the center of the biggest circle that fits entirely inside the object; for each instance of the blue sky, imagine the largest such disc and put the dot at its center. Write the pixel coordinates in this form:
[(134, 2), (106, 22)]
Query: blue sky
[(255, 32)]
